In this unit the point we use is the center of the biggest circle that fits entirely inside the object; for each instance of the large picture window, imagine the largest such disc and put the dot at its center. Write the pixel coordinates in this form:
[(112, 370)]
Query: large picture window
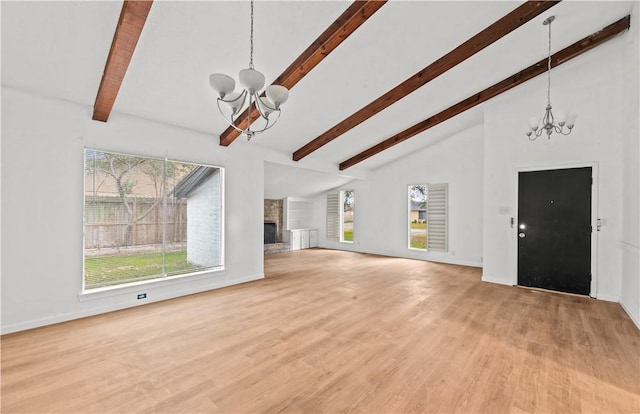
[(148, 218)]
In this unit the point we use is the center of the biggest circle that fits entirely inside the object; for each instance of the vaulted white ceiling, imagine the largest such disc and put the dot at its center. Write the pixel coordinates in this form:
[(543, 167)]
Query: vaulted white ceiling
[(59, 49)]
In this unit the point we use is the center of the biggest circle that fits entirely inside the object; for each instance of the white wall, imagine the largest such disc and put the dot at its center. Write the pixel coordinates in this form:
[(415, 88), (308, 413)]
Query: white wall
[(42, 198), (630, 240), (380, 224), (591, 86)]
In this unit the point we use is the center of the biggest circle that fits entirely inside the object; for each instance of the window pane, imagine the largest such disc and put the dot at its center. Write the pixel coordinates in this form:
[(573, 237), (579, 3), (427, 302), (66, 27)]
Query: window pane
[(417, 216), (197, 190), (348, 204), (145, 218), (123, 206)]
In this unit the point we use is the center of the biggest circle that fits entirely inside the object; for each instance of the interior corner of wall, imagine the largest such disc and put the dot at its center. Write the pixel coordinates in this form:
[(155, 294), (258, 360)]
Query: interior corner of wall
[(633, 315)]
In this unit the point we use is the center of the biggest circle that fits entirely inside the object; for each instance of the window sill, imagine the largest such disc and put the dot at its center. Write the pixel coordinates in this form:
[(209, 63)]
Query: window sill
[(135, 287)]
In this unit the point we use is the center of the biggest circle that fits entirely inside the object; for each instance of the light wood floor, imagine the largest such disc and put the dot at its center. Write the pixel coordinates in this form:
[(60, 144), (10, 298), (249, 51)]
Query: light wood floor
[(331, 331)]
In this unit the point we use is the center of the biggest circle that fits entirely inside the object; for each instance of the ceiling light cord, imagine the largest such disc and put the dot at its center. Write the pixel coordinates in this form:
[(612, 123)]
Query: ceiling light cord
[(548, 67), (251, 39)]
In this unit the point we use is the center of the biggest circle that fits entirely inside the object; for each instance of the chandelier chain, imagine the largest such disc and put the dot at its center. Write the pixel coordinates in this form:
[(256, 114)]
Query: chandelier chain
[(549, 69), (251, 39)]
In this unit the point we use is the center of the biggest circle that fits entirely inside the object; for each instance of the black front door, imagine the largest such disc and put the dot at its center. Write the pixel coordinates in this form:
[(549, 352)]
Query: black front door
[(554, 229)]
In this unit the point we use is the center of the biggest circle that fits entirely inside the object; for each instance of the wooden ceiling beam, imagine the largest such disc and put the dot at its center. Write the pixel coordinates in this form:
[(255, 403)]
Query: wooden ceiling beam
[(487, 36), (532, 71), (132, 18), (350, 20)]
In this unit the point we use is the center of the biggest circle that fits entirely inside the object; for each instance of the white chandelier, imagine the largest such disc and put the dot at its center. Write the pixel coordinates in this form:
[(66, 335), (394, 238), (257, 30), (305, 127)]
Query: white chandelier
[(548, 124), (252, 81)]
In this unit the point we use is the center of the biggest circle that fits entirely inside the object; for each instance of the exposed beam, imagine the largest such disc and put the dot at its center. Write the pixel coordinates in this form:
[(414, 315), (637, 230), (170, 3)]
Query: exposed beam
[(352, 18), (487, 36), (132, 18), (512, 81)]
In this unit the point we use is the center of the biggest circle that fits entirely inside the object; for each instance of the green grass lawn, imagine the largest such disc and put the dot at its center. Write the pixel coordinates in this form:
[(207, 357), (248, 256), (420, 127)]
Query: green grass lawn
[(115, 270), (418, 241), (348, 235)]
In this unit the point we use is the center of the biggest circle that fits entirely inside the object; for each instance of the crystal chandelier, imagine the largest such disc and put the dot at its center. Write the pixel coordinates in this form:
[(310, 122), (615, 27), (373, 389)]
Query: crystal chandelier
[(267, 104), (548, 124)]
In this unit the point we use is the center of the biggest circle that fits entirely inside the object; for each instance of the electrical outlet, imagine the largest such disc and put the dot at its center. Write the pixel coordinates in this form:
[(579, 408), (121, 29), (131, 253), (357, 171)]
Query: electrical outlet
[(142, 295)]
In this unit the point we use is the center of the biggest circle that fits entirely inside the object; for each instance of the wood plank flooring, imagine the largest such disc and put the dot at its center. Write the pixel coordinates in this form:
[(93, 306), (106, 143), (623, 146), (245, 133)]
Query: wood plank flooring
[(330, 331)]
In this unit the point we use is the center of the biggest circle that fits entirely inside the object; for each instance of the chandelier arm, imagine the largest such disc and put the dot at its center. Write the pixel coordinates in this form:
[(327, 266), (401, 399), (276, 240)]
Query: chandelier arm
[(269, 122), (248, 132), (224, 116), (269, 107), (259, 106), (241, 96), (548, 117)]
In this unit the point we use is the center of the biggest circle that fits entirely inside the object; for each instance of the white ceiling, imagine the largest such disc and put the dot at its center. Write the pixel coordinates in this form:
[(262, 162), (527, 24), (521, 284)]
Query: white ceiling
[(282, 181), (59, 49)]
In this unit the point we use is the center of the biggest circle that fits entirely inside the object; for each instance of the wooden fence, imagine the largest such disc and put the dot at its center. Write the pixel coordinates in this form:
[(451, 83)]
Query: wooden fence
[(109, 224)]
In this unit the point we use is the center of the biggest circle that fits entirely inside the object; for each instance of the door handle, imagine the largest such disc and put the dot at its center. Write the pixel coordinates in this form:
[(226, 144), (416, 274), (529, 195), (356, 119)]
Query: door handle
[(521, 235)]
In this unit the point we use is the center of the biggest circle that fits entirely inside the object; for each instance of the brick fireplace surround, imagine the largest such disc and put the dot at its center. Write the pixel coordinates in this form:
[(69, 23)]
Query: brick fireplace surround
[(273, 214)]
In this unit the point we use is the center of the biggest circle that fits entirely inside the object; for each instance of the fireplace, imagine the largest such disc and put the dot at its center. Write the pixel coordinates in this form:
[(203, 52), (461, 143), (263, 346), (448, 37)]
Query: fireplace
[(270, 232)]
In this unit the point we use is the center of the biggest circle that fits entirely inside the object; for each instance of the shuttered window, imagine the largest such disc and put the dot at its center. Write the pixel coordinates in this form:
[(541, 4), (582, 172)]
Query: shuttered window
[(437, 217), (333, 216), (427, 229)]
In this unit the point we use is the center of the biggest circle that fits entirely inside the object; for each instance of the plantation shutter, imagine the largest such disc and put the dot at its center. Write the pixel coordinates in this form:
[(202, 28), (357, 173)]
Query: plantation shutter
[(333, 216), (437, 217)]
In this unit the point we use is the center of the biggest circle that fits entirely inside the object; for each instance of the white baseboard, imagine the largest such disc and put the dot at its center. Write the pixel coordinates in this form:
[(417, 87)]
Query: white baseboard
[(608, 298), (490, 279), (634, 318), (50, 320), (422, 256)]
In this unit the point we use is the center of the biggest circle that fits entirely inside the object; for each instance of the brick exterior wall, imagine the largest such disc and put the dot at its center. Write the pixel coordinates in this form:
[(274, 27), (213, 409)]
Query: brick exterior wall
[(273, 214), (203, 223)]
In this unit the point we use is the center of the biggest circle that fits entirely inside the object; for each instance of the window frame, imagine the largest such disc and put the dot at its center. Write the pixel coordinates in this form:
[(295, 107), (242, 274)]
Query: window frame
[(163, 278), (409, 221), (342, 202), (435, 216)]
